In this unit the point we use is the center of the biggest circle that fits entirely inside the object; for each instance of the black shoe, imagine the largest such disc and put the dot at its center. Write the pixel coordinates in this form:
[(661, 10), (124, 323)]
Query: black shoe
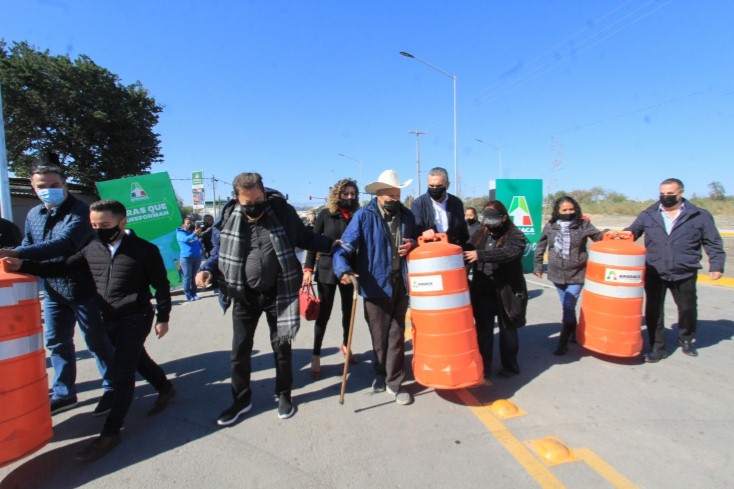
[(688, 348), (655, 356), (164, 398), (105, 404), (232, 413), (61, 405), (286, 408), (506, 373), (378, 385), (561, 350), (98, 448)]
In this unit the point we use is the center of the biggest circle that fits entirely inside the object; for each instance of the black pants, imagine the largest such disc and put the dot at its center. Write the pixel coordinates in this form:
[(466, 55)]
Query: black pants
[(128, 337), (327, 292), (684, 295), (386, 321), (486, 308), (245, 315)]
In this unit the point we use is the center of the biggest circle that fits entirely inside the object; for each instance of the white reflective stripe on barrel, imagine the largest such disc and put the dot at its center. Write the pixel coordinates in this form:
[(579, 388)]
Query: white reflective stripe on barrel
[(20, 291), (616, 260), (614, 291), (20, 346), (439, 302), (440, 263)]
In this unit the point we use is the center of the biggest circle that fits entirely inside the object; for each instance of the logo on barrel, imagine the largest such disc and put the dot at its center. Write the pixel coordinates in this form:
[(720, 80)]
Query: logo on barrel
[(623, 276), (426, 283), (520, 214)]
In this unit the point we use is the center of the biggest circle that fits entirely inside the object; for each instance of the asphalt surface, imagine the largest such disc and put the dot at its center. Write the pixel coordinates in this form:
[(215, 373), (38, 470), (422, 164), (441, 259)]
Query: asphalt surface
[(624, 423)]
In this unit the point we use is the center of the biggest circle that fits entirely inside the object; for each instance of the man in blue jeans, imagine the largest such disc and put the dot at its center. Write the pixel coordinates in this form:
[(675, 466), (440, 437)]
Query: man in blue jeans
[(55, 230)]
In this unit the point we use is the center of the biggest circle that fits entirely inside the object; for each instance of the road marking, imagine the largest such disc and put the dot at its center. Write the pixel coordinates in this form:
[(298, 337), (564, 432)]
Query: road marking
[(601, 467), (542, 475)]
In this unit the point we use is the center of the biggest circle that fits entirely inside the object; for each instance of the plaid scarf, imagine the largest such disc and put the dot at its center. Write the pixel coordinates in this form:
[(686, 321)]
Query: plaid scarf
[(232, 266), (562, 242)]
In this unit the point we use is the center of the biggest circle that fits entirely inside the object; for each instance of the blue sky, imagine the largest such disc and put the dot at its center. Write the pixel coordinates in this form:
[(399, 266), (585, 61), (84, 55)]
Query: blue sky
[(616, 94)]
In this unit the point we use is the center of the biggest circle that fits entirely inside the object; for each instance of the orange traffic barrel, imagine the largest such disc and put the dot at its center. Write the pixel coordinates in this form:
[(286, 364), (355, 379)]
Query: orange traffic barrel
[(445, 350), (611, 302), (25, 415)]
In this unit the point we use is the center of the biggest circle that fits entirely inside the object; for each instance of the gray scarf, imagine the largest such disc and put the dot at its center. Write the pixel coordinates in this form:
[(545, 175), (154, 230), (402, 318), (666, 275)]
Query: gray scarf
[(232, 264), (562, 243)]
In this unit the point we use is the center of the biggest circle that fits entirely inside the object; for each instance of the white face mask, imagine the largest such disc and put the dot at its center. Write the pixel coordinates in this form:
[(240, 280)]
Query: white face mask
[(52, 197)]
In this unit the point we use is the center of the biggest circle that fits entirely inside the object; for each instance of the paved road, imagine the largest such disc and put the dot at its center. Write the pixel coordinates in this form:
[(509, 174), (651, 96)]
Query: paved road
[(627, 424)]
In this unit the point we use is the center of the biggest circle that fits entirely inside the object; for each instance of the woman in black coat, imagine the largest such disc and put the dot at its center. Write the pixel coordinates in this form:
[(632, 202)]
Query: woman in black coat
[(498, 288), (331, 222), (565, 236)]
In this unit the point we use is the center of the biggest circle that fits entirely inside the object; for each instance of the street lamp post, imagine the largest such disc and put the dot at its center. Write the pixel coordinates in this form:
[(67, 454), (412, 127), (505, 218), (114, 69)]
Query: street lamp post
[(453, 77), (418, 155), (353, 159), (499, 152)]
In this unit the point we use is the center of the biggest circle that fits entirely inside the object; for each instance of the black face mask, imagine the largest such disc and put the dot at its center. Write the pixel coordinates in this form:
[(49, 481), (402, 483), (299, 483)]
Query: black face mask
[(668, 200), (437, 193), (470, 222), (108, 236), (567, 217), (190, 228), (391, 206), (254, 210), (348, 204)]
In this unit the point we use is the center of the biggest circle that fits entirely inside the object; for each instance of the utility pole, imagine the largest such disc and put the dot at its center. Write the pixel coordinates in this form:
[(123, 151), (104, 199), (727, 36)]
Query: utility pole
[(214, 195), (418, 155)]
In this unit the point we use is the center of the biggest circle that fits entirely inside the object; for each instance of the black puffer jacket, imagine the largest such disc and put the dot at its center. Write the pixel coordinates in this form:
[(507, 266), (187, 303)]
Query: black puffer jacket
[(123, 282)]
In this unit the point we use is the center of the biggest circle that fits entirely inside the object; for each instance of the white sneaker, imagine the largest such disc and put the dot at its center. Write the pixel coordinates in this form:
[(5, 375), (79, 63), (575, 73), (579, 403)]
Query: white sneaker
[(401, 397)]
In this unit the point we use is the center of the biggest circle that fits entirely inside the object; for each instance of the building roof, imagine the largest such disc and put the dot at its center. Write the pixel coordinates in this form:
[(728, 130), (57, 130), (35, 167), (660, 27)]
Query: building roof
[(21, 187)]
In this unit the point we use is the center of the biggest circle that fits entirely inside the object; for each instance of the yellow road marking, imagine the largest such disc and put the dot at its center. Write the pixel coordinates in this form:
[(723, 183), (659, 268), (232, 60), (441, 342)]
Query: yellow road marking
[(725, 281), (542, 475), (616, 478)]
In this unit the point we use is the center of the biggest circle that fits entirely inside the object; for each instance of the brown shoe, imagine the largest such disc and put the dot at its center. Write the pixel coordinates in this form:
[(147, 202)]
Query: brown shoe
[(316, 367), (164, 398), (352, 359), (98, 448)]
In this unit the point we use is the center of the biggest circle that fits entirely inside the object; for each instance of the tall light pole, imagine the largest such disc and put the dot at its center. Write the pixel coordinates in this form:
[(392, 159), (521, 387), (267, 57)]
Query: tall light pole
[(353, 159), (456, 151), (418, 155), (499, 152)]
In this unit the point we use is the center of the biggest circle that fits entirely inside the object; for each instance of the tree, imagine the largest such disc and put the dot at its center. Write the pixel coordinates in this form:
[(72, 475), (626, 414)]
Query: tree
[(99, 128), (716, 191)]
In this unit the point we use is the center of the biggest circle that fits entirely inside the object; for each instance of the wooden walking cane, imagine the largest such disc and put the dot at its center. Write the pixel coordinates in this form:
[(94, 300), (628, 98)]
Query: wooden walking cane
[(348, 356)]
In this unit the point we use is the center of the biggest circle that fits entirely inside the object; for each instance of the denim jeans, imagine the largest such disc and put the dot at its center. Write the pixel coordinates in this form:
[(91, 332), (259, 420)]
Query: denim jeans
[(128, 334), (190, 266), (60, 316), (569, 295)]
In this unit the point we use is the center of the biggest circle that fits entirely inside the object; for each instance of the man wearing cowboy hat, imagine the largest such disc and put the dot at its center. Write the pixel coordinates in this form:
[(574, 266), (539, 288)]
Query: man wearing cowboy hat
[(376, 242)]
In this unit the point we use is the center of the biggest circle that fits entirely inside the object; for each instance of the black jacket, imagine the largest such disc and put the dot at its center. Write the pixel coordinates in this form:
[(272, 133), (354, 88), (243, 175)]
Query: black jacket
[(422, 209), (677, 255), (510, 288), (331, 224), (10, 235), (295, 230), (122, 282)]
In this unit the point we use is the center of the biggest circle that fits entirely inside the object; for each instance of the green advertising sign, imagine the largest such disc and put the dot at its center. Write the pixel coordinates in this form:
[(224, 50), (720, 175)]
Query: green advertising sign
[(524, 201), (152, 212)]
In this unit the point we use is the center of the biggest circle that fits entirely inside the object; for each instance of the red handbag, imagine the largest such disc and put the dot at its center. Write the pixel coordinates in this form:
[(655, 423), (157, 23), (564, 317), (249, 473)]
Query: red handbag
[(310, 304)]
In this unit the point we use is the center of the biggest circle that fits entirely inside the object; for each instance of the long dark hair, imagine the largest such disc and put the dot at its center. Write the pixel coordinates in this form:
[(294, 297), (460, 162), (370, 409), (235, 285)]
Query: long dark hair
[(555, 215), (480, 237)]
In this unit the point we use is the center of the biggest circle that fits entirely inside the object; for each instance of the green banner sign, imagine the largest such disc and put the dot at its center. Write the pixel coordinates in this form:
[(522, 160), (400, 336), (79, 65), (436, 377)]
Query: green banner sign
[(152, 212), (524, 201)]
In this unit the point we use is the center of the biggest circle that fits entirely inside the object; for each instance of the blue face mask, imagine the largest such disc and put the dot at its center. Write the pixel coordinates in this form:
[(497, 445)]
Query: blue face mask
[(52, 197)]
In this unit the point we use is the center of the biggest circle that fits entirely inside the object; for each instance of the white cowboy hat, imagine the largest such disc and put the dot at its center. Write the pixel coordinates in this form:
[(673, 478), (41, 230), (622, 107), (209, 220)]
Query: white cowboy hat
[(387, 179)]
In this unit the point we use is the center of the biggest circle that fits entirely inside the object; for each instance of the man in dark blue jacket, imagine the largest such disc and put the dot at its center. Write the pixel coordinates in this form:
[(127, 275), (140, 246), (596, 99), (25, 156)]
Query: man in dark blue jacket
[(254, 262), (381, 235), (437, 211), (675, 230), (55, 230)]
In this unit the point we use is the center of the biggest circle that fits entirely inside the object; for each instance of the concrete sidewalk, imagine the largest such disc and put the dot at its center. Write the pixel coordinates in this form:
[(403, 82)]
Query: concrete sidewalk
[(625, 423)]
